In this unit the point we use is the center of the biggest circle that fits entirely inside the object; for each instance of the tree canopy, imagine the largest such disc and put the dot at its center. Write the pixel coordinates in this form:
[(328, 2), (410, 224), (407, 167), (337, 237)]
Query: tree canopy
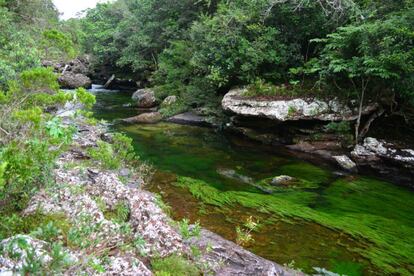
[(198, 49)]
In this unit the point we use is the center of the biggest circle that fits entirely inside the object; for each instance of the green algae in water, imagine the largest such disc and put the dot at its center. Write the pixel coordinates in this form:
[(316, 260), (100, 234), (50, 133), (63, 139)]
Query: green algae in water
[(199, 153), (305, 172), (376, 214), (387, 238), (195, 153)]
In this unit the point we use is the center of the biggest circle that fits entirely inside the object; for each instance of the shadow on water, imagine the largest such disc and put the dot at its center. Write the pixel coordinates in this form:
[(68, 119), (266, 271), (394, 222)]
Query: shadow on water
[(326, 221)]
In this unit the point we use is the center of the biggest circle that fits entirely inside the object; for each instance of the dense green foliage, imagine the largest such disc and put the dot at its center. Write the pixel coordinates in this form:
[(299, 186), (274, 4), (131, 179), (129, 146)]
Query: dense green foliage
[(29, 32), (197, 50), (31, 138), (200, 49)]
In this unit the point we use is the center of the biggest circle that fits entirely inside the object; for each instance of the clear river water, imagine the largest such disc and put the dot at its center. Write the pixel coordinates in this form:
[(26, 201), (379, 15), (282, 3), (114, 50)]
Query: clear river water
[(348, 224)]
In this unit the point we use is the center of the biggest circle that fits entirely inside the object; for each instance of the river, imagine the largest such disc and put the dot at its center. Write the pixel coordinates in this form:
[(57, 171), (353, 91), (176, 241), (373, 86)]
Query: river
[(348, 224)]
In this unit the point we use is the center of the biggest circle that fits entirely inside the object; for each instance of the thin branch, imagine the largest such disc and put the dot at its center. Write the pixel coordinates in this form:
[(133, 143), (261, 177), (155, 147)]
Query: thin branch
[(5, 131)]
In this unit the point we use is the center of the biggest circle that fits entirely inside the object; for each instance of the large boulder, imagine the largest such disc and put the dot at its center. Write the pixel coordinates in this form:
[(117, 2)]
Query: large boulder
[(290, 109), (79, 65), (70, 80), (144, 98), (144, 118)]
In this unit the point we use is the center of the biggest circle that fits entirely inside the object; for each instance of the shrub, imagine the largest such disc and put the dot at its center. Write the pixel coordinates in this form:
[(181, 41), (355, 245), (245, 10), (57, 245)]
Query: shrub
[(119, 214), (123, 147), (174, 265), (39, 80), (56, 43), (85, 98), (178, 107), (104, 153), (13, 224), (260, 88), (113, 156), (31, 138), (187, 230)]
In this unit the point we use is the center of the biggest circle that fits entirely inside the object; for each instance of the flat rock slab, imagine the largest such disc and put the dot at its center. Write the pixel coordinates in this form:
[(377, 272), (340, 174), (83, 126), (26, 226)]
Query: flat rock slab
[(291, 109), (189, 118), (144, 118), (234, 260)]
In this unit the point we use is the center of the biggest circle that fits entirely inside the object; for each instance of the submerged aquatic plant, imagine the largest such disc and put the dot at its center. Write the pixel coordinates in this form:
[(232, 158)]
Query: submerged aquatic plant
[(360, 207)]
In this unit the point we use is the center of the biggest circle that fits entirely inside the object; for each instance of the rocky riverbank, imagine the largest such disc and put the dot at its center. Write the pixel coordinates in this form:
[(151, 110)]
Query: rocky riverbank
[(315, 127), (87, 197), (319, 128), (73, 74)]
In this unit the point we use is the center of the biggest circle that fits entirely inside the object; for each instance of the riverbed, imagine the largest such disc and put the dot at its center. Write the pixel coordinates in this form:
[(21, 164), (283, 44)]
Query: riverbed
[(348, 224)]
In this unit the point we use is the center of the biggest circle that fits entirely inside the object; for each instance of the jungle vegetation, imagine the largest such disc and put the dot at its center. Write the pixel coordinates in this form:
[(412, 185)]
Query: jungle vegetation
[(357, 50)]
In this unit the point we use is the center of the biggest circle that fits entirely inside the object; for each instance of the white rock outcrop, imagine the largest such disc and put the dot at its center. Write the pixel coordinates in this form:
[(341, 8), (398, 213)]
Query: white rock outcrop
[(290, 110), (373, 149)]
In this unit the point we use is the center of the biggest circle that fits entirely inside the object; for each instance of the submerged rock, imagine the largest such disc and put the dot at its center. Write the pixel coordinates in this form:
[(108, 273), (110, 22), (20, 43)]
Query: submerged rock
[(144, 98), (144, 118), (346, 163), (286, 183), (284, 180), (69, 80), (322, 149), (291, 109), (232, 174), (189, 118)]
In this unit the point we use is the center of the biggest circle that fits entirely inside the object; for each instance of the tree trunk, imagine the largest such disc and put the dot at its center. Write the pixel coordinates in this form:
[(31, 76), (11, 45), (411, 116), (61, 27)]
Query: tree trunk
[(364, 85), (371, 119), (358, 122), (110, 80)]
